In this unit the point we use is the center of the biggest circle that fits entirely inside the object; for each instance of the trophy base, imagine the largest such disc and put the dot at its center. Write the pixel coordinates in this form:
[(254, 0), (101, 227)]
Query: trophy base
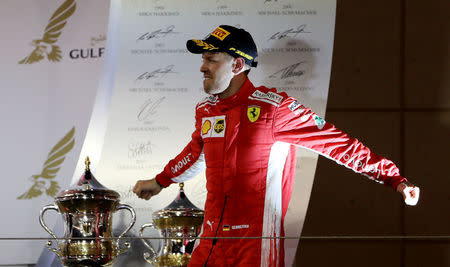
[(84, 263), (88, 253), (80, 262), (173, 260)]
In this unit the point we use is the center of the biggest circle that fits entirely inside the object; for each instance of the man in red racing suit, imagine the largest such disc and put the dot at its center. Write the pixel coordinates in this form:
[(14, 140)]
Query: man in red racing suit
[(247, 142)]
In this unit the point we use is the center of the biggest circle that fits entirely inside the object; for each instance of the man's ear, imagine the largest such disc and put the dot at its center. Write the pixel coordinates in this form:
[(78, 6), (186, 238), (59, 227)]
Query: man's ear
[(238, 65)]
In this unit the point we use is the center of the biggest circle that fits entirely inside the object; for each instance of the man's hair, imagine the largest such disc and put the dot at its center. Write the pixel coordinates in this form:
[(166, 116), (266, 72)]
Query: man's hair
[(247, 71)]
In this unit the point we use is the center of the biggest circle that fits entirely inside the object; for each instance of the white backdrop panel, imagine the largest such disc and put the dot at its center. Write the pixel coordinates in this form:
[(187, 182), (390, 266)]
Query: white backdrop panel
[(157, 84), (40, 103)]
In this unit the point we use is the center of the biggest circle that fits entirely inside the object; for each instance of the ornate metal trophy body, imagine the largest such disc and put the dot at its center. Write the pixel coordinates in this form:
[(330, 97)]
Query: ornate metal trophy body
[(178, 224), (87, 212)]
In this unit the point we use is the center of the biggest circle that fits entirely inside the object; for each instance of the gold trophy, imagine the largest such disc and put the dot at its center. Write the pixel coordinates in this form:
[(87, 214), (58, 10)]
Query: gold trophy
[(178, 224), (87, 211)]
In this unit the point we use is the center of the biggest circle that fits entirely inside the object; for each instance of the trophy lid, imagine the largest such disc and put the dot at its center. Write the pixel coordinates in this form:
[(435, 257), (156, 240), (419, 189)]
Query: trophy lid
[(88, 187), (180, 207)]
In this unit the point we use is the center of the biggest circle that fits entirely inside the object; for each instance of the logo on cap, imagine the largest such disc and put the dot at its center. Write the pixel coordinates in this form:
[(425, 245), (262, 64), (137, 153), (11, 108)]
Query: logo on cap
[(205, 45), (220, 33), (239, 52)]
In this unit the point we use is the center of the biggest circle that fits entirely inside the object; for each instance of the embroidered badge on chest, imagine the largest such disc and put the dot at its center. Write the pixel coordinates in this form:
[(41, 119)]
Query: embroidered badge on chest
[(253, 113), (219, 126), (213, 126), (206, 127)]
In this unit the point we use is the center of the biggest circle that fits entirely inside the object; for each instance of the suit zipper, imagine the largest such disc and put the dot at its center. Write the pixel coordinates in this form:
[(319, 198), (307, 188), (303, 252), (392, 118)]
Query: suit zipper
[(217, 230)]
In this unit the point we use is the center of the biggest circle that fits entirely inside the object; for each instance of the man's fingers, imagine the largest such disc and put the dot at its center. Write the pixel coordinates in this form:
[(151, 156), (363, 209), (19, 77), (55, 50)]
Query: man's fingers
[(142, 194), (137, 187), (146, 195), (411, 195), (146, 189)]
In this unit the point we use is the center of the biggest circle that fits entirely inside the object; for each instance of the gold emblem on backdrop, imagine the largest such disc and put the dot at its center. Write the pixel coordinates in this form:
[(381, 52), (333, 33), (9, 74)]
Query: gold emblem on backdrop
[(44, 182), (46, 46), (253, 113)]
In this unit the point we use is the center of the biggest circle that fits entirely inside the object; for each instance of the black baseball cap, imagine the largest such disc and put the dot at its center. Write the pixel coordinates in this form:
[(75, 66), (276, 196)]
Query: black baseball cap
[(231, 40)]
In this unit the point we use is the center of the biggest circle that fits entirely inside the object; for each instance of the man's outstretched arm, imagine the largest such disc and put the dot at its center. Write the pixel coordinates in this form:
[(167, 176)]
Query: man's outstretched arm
[(183, 167), (296, 124)]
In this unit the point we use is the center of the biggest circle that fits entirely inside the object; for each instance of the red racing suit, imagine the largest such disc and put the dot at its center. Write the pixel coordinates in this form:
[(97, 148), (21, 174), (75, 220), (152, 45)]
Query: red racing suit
[(247, 143)]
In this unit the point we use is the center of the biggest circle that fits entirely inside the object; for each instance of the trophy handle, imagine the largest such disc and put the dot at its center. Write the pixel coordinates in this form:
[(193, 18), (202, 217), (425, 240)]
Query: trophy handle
[(133, 220), (42, 222), (147, 257)]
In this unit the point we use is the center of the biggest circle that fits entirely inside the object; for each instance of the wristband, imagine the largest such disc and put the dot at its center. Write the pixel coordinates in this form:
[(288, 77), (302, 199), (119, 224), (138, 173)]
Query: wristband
[(159, 184)]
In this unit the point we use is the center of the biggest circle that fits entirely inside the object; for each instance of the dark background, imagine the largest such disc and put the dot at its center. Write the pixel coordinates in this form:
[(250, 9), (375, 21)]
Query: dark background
[(390, 88)]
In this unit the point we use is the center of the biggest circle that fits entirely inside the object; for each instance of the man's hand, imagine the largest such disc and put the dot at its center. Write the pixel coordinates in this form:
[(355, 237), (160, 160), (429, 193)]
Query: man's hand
[(147, 188), (410, 193)]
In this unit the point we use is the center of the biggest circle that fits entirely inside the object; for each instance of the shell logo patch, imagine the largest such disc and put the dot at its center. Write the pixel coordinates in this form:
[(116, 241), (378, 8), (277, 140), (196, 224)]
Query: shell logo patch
[(206, 127), (216, 123), (253, 113), (220, 33)]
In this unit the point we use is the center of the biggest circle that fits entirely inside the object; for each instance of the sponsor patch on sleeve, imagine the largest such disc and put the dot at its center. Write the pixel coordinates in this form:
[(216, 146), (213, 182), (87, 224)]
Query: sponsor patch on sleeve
[(294, 105), (180, 164), (319, 121), (270, 97)]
